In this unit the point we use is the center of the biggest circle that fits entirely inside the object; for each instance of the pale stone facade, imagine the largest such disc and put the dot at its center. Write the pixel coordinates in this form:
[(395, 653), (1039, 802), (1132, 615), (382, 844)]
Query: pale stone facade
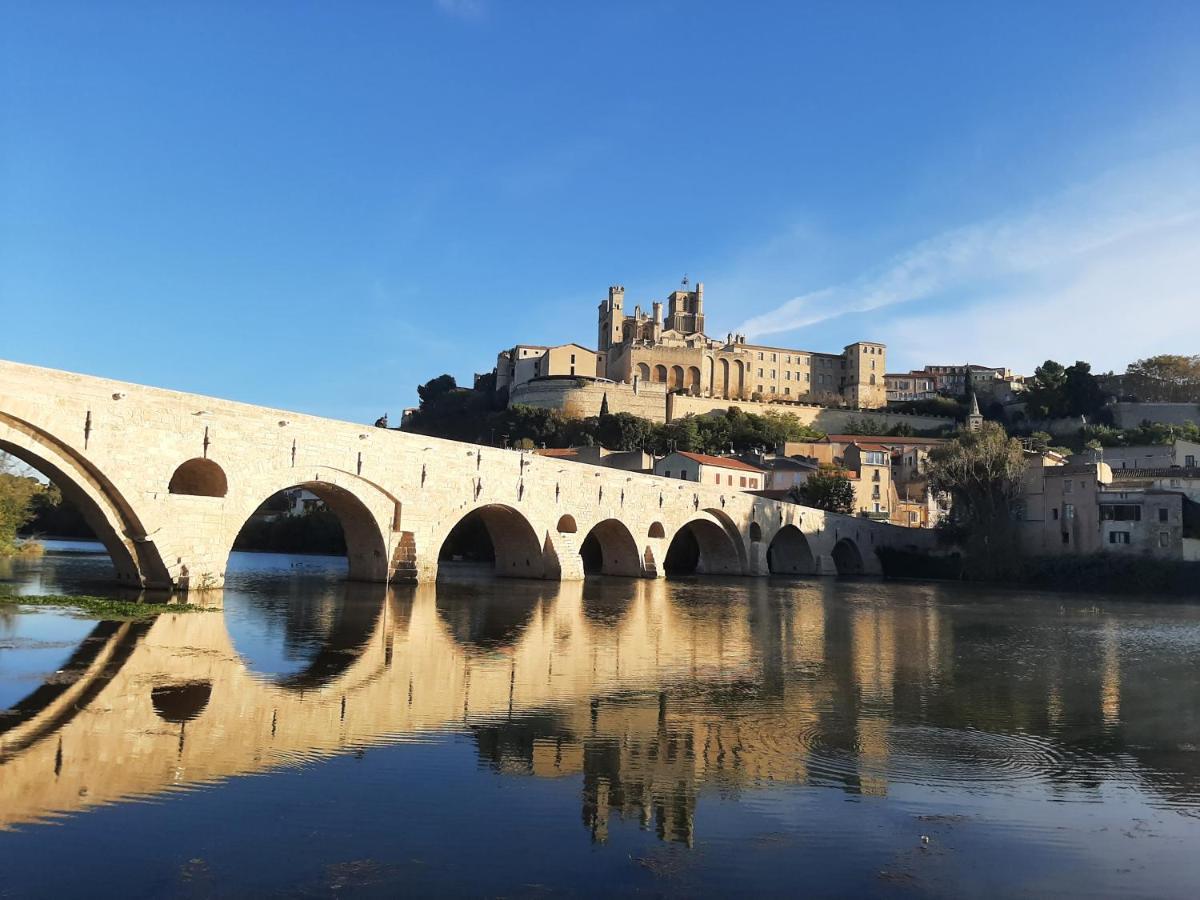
[(674, 350), (167, 479)]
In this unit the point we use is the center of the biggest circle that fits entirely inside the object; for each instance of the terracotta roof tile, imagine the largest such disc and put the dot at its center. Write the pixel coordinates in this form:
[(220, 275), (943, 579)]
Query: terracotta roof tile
[(723, 462)]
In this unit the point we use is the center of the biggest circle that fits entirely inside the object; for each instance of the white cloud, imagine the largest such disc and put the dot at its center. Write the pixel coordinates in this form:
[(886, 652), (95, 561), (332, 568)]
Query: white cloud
[(1106, 271)]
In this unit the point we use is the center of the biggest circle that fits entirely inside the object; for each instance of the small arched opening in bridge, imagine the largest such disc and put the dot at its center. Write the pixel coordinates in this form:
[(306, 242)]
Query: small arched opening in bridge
[(199, 478), (703, 547), (790, 554), (495, 537), (755, 532), (656, 530), (566, 525), (847, 557), (71, 500), (610, 549), (306, 527)]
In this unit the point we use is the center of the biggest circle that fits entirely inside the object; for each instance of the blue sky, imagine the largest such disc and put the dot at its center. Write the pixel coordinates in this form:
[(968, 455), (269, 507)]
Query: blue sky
[(317, 206)]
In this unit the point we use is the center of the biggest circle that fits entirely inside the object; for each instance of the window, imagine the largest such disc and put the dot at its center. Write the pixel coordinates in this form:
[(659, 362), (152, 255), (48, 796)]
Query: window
[(1068, 486), (1162, 515), (806, 376), (742, 479), (760, 371), (1068, 511), (717, 478), (1053, 511), (760, 389), (683, 474), (729, 480), (667, 473), (787, 376), (787, 390), (572, 359), (1190, 461), (1174, 482), (760, 357), (1121, 512), (772, 373), (773, 358), (1118, 537), (1066, 535), (1164, 539)]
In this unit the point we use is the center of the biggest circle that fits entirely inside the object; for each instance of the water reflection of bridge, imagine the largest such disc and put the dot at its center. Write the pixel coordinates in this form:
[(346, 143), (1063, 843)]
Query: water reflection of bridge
[(646, 690)]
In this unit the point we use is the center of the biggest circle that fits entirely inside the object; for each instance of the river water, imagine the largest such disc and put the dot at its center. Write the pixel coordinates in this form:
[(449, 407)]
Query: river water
[(690, 737)]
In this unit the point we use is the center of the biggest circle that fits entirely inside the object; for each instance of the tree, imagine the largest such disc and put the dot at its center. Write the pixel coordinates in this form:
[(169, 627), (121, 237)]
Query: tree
[(982, 471), (827, 489), (624, 431), (17, 492), (1046, 397), (1165, 378), (431, 390), (1082, 393)]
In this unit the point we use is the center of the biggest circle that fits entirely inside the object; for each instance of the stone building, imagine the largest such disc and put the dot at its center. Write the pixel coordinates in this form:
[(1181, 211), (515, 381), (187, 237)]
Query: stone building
[(525, 362), (714, 470), (669, 347), (1078, 508)]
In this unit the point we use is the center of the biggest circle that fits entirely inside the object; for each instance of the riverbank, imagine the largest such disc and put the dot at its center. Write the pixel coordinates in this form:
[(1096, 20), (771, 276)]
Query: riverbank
[(1100, 573)]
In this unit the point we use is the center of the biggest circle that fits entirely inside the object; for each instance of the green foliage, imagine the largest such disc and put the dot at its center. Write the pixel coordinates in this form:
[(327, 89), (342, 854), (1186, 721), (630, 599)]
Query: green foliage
[(982, 471), (17, 493), (623, 431), (1152, 433), (105, 608), (1046, 397), (1166, 378), (1056, 392), (827, 489), (947, 407), (435, 388), (316, 531)]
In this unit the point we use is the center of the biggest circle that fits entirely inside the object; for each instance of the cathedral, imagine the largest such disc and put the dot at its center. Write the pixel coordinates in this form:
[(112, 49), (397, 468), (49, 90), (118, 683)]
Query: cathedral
[(673, 349)]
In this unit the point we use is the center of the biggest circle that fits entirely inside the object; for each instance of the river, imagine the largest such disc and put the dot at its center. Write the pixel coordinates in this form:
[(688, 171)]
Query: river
[(682, 737)]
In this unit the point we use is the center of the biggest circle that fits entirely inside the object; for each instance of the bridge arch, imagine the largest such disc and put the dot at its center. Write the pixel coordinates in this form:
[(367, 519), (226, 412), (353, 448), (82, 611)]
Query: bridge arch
[(610, 549), (847, 557), (499, 534), (707, 546), (789, 553), (200, 478), (369, 520), (108, 513)]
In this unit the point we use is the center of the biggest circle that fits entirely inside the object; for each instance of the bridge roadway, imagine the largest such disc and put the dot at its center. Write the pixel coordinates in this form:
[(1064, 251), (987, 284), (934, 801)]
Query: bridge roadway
[(168, 479), (159, 707)]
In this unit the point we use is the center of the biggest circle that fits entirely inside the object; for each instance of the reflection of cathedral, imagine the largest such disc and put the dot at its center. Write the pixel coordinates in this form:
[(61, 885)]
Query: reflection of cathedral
[(672, 349)]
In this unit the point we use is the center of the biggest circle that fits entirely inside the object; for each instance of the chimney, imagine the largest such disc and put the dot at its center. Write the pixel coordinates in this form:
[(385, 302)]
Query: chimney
[(658, 313)]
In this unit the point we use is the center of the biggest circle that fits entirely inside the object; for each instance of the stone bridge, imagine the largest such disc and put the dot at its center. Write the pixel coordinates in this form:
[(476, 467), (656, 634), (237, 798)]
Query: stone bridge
[(168, 479)]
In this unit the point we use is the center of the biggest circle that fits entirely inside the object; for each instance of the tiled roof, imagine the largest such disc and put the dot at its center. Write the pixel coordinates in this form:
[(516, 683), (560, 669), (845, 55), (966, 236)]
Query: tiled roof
[(565, 451), (723, 462)]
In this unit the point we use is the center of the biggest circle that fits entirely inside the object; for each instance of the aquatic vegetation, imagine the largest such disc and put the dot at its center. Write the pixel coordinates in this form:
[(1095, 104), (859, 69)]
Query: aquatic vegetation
[(100, 607)]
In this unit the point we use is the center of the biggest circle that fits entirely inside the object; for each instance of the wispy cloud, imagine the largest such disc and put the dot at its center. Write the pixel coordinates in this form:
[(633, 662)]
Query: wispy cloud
[(1106, 250), (471, 10)]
